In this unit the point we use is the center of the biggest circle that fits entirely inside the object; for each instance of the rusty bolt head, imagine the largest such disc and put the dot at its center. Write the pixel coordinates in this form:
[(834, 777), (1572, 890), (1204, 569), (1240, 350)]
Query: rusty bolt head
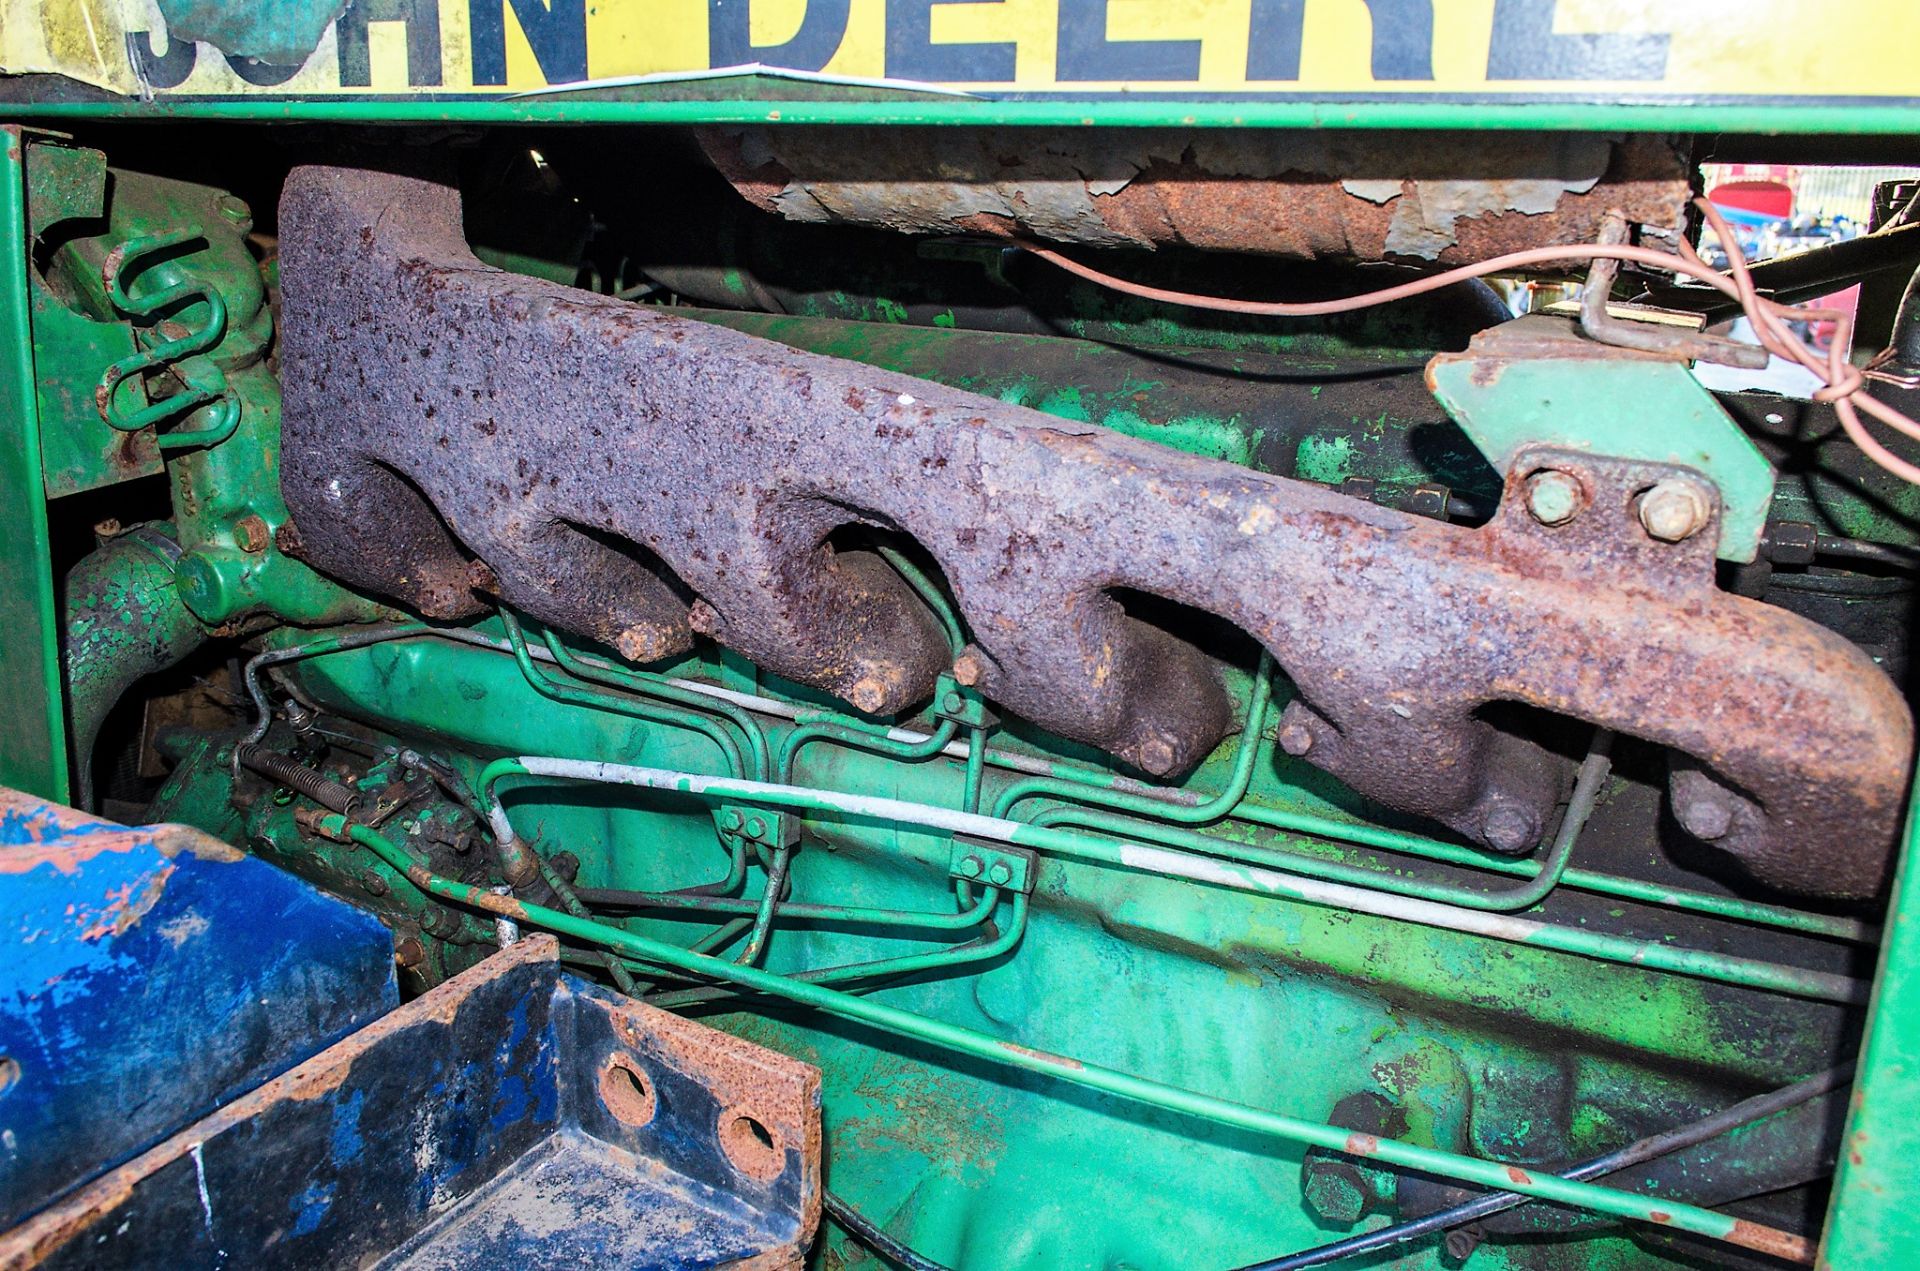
[(1554, 497), (251, 534), (703, 618), (1674, 511), (1462, 1241), (1703, 809), (868, 694), (1334, 1191), (966, 669), (1511, 828), (372, 883), (972, 866), (1156, 756), (1296, 739), (109, 528), (408, 952)]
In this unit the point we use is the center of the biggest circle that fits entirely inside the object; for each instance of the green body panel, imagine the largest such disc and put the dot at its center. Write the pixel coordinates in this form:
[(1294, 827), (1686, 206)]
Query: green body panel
[(76, 334), (33, 743), (1871, 1223), (782, 102)]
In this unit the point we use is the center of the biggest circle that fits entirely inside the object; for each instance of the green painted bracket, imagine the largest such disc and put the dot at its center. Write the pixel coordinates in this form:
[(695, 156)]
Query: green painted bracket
[(1537, 380)]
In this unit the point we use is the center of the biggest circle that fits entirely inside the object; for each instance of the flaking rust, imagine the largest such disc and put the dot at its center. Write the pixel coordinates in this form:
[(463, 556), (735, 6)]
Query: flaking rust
[(1315, 194), (611, 464)]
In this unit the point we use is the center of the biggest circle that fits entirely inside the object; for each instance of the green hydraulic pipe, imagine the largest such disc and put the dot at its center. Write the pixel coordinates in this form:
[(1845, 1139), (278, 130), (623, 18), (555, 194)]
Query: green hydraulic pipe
[(1212, 809), (909, 752), (763, 914), (609, 897), (634, 707), (658, 686), (967, 954), (1672, 1215), (1650, 955), (1633, 889), (1586, 791), (930, 596)]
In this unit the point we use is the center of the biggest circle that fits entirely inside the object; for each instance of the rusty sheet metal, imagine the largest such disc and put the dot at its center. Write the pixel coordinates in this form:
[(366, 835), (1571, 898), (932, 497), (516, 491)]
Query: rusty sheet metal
[(637, 477), (154, 973), (1446, 198), (475, 1128)]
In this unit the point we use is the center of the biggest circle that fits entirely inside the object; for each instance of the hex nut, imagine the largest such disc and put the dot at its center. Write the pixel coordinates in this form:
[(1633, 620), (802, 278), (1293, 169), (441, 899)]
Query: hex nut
[(1296, 739), (1335, 1191), (972, 866), (1674, 511), (999, 874), (251, 534), (1554, 497)]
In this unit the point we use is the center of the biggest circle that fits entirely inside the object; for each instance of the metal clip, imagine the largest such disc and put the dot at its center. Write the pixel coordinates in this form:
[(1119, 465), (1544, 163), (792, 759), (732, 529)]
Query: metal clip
[(1694, 346)]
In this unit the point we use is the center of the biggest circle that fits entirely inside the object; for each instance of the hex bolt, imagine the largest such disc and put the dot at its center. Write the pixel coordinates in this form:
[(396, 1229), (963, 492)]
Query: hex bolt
[(999, 875), (952, 703), (251, 534), (756, 828), (372, 883), (731, 821), (972, 866), (409, 952), (1510, 828), (967, 668), (1462, 1241), (1334, 1191), (1296, 739), (1553, 497), (235, 209), (1674, 511)]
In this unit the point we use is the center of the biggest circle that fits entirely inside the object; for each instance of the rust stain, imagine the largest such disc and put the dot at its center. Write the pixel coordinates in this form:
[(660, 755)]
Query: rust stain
[(1771, 1240), (1045, 1057), (1363, 1144), (1519, 1176)]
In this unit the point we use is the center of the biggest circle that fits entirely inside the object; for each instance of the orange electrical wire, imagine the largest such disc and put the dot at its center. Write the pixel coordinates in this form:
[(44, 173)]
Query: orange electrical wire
[(1845, 386)]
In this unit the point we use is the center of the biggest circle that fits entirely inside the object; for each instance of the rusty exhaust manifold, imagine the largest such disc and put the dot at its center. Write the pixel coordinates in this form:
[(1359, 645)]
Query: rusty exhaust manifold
[(636, 477)]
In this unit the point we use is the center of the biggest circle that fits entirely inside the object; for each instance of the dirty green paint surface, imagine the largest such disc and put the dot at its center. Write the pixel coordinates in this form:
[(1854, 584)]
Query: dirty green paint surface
[(33, 743), (1273, 1003)]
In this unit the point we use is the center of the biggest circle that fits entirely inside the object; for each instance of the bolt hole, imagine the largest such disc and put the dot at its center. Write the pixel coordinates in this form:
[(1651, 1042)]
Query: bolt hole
[(751, 1146), (626, 1092)]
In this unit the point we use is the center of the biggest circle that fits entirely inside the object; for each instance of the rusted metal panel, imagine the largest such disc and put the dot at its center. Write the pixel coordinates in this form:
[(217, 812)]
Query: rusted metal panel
[(627, 474), (506, 1118), (1450, 198)]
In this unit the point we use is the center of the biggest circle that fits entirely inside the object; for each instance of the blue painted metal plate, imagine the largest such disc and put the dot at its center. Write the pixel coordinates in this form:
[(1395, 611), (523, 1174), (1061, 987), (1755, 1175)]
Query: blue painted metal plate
[(154, 974)]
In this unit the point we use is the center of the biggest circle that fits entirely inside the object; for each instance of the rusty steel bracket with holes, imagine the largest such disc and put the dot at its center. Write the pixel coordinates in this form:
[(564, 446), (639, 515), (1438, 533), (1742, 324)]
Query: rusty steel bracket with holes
[(617, 471), (510, 1116)]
